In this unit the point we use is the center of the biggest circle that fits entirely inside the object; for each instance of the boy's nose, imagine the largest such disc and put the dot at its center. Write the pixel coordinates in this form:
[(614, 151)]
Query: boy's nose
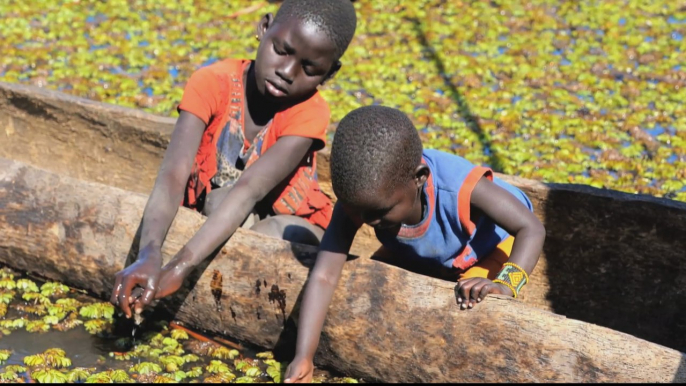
[(287, 71)]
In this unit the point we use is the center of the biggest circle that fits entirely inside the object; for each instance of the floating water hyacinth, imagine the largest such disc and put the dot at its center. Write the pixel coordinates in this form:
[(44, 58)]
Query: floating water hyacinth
[(550, 90)]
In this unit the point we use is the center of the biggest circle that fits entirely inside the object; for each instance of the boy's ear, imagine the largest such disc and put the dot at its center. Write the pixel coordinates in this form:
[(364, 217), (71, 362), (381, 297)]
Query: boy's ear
[(334, 70), (263, 25), (421, 174)]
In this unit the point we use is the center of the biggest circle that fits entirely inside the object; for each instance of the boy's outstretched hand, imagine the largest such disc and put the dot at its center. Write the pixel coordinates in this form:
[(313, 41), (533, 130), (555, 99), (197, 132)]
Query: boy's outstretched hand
[(474, 289), (299, 371)]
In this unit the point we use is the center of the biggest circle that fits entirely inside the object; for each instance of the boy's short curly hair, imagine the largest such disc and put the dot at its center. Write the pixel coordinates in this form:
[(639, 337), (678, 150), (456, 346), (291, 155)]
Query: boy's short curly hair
[(374, 149), (336, 18)]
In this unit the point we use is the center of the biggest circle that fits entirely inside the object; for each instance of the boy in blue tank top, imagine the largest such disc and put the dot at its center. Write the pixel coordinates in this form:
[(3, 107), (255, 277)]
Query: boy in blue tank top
[(426, 206)]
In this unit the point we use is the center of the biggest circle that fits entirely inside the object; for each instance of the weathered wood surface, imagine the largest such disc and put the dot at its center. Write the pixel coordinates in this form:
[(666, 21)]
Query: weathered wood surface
[(387, 323), (610, 258)]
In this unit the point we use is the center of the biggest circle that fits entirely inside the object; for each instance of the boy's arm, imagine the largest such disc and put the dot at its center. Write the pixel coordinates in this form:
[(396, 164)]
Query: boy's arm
[(509, 213), (319, 291), (277, 163), (160, 210)]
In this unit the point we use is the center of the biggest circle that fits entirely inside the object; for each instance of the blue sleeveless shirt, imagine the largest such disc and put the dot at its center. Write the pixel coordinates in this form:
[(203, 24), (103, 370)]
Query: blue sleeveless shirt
[(446, 235)]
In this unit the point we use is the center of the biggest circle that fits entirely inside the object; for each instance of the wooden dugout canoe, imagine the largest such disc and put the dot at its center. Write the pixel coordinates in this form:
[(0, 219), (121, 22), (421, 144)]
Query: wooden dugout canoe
[(610, 258), (387, 323)]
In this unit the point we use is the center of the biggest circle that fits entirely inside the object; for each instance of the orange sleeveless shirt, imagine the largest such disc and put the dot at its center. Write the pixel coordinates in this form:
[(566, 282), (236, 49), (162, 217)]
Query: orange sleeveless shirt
[(215, 95)]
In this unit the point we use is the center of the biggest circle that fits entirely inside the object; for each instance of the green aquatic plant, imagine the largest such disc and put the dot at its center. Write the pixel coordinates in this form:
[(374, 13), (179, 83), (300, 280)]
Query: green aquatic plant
[(68, 323), (190, 358), (145, 368), (53, 289), (36, 309), (241, 364), (194, 372), (171, 363), (37, 326), (177, 334), (163, 379), (177, 375), (79, 374), (102, 377), (155, 339), (274, 369), (8, 283), (26, 285), (15, 368), (245, 379), (68, 304), (96, 326), (220, 378), (6, 296), (265, 355), (12, 324), (34, 360), (252, 371), (217, 367), (4, 355), (49, 376), (97, 311), (36, 298), (222, 352), (9, 376)]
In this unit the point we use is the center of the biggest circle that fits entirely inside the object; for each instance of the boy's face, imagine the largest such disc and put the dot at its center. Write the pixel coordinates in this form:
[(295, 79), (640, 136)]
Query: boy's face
[(293, 58), (388, 209)]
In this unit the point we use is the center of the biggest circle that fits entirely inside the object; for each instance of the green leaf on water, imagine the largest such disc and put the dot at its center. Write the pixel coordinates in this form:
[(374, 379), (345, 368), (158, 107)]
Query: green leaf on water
[(49, 376), (26, 285), (78, 374), (5, 355)]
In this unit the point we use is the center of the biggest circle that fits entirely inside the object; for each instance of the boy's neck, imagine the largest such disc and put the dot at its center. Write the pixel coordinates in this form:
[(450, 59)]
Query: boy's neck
[(419, 210)]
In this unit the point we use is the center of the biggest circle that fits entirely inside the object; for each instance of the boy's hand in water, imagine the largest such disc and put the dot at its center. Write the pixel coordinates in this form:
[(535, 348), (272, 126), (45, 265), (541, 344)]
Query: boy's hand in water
[(171, 279), (473, 290), (299, 371), (144, 273)]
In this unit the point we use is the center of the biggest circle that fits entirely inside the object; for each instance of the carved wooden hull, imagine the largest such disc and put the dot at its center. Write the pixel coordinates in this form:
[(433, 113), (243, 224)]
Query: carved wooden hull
[(610, 258), (387, 323)]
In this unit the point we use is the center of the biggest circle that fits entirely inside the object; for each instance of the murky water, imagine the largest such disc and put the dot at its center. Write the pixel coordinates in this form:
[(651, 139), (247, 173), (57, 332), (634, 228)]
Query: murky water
[(101, 343)]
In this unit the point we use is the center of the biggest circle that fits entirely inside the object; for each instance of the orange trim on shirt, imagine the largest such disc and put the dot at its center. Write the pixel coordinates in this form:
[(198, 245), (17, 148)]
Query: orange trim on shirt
[(465, 194), (460, 262)]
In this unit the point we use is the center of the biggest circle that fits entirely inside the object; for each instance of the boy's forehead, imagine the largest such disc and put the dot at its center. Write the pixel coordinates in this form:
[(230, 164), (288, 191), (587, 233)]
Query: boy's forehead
[(303, 34)]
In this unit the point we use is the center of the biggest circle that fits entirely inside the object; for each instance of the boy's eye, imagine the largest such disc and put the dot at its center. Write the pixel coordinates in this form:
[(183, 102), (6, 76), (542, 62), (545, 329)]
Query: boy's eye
[(278, 52)]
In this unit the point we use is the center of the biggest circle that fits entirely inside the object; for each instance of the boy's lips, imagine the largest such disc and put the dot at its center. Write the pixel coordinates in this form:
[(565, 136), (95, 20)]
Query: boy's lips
[(275, 89)]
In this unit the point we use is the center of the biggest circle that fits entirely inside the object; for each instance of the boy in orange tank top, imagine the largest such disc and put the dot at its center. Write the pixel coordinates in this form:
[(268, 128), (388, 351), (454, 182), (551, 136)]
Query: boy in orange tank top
[(243, 150)]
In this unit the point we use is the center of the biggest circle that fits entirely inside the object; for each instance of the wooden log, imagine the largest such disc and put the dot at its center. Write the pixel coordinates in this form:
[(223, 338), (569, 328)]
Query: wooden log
[(610, 258), (386, 323)]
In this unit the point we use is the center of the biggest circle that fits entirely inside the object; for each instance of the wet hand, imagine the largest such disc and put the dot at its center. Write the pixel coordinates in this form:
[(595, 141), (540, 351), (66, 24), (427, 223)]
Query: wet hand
[(299, 371), (144, 273), (171, 279), (473, 290)]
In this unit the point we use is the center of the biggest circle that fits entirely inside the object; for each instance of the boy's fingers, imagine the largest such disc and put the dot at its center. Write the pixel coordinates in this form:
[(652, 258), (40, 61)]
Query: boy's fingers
[(484, 291), (476, 289), (464, 289), (114, 299), (124, 294), (293, 378)]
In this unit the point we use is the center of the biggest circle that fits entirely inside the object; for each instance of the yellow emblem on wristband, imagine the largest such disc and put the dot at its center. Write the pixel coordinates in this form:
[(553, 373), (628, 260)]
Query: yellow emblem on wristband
[(512, 276)]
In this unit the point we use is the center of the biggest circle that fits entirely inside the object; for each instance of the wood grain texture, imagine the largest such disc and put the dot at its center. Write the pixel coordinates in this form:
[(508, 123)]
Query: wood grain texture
[(385, 323)]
